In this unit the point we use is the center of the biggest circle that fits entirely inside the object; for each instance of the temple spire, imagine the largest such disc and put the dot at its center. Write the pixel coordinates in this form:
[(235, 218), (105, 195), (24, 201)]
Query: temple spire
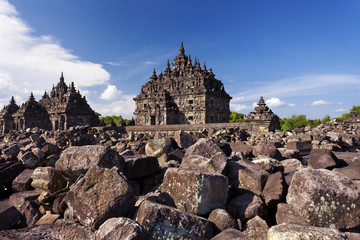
[(12, 101), (31, 98), (153, 76), (181, 50), (62, 76), (204, 67)]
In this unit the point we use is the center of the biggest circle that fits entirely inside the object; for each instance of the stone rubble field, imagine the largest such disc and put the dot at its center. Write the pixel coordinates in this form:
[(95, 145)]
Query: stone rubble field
[(104, 183)]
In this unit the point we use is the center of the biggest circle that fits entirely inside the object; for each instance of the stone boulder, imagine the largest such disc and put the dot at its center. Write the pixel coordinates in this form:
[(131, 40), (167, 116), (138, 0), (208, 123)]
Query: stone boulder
[(23, 181), (291, 165), (9, 218), (10, 152), (299, 232), (286, 214), (31, 213), (8, 172), (247, 206), (47, 179), (324, 198), (322, 158), (159, 148), (140, 166), (241, 147), (121, 228), (274, 190), (304, 147), (75, 161), (264, 149), (231, 234), (194, 191), (204, 156), (183, 139), (222, 220), (30, 160), (101, 194), (256, 228), (246, 176), (67, 229), (163, 222), (351, 172)]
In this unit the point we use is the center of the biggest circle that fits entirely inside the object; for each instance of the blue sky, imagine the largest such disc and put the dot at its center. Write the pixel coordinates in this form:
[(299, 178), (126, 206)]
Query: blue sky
[(301, 55)]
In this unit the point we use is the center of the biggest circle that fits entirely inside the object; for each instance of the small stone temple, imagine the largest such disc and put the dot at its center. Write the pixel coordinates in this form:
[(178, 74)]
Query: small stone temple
[(354, 117), (263, 119), (63, 108), (183, 94)]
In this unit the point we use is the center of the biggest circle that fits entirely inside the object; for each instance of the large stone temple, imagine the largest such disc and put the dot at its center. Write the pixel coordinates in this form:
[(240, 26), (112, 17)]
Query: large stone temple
[(185, 94), (63, 108)]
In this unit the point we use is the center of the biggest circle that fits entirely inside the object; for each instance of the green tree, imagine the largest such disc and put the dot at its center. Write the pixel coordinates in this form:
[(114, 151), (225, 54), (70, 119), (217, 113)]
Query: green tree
[(326, 118), (108, 119), (296, 121), (236, 117)]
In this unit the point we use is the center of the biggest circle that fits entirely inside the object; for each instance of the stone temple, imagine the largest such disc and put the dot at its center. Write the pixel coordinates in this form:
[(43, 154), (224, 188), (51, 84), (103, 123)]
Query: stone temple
[(63, 108), (185, 94)]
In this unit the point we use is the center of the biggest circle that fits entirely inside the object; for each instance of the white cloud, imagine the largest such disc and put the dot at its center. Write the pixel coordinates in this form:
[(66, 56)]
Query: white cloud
[(276, 102), (111, 92), (341, 110), (34, 63), (117, 63), (124, 106), (320, 102), (148, 62), (239, 107)]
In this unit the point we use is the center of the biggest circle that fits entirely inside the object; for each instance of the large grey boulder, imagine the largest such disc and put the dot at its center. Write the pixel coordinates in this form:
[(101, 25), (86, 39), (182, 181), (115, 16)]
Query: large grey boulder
[(23, 181), (101, 194), (204, 156), (121, 229), (67, 229), (322, 158), (299, 232), (264, 149), (159, 148), (324, 198), (140, 166), (246, 176), (247, 206), (183, 139), (273, 190), (256, 228), (47, 179), (222, 220), (75, 161), (194, 191), (163, 222)]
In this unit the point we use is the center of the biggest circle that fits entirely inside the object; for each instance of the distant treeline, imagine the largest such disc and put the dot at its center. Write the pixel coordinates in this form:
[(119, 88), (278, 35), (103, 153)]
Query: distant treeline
[(296, 121), (286, 124), (116, 120)]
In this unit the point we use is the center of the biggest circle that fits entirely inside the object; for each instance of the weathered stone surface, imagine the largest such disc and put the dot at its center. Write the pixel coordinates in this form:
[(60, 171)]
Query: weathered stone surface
[(9, 218), (269, 164), (247, 206), (222, 220), (19, 198), (352, 172), (264, 149), (140, 166), (38, 153), (324, 198), (183, 139), (29, 233), (159, 148), (163, 222), (243, 148), (231, 234), (23, 181), (322, 158), (287, 153), (75, 161), (194, 191), (351, 158), (256, 228), (291, 165), (67, 229), (30, 211), (121, 229), (352, 236), (8, 172), (47, 219), (273, 190), (101, 194), (30, 160), (244, 175), (204, 156), (47, 179), (11, 152), (286, 214), (304, 147), (299, 232)]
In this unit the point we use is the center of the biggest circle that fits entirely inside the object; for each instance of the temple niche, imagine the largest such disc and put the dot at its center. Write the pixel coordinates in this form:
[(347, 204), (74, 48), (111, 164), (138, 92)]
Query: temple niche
[(63, 108), (185, 94)]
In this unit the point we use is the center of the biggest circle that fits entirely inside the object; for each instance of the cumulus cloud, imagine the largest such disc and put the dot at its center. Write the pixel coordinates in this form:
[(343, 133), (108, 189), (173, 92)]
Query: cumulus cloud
[(34, 63), (276, 102), (111, 92), (239, 107), (123, 106), (320, 102)]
